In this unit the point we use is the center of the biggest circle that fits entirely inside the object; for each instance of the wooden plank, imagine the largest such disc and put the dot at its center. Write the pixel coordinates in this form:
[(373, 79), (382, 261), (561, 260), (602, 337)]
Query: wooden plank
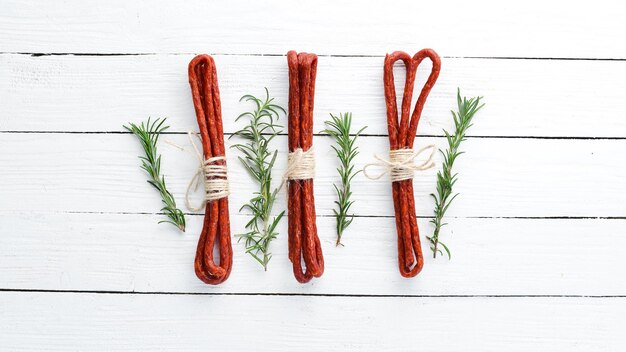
[(78, 93), (330, 27), (132, 253), (87, 322), (499, 177)]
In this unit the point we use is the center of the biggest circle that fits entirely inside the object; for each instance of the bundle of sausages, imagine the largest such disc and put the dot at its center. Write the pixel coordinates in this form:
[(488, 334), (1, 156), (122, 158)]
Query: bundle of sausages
[(401, 137), (216, 227), (304, 245)]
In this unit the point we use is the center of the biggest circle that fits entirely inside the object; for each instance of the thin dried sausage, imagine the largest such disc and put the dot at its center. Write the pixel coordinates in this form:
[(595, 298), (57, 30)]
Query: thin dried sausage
[(216, 228), (304, 244), (401, 136)]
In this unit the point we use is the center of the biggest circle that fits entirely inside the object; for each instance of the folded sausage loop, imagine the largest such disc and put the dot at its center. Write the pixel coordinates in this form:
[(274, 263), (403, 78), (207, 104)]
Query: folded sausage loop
[(402, 127), (215, 235), (305, 249)]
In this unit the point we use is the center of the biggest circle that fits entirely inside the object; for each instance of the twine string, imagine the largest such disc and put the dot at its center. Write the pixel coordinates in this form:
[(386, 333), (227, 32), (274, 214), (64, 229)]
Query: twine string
[(212, 175), (300, 165), (400, 165)]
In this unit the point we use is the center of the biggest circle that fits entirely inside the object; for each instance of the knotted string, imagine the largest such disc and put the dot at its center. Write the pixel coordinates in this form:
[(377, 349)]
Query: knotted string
[(213, 176), (400, 165)]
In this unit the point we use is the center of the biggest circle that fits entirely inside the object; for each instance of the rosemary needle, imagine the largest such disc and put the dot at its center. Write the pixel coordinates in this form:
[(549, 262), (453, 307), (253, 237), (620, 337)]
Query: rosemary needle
[(467, 108), (339, 128), (148, 134), (258, 160)]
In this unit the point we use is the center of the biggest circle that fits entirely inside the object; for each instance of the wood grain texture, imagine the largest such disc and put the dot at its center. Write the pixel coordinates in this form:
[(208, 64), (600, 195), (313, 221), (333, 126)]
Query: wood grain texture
[(536, 235), (132, 253), (480, 28), (499, 178), (553, 98), (32, 321)]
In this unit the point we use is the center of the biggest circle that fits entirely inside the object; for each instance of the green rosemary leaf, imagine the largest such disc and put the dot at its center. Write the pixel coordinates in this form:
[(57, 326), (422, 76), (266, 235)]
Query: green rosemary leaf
[(259, 162), (339, 129), (462, 119), (148, 134), (272, 228), (446, 249)]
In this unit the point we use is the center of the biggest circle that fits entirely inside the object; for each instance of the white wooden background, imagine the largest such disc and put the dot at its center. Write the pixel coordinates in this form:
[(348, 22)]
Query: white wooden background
[(538, 233)]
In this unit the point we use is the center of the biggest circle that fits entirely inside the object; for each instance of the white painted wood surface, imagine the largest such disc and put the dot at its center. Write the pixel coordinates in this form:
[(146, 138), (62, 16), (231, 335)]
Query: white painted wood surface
[(188, 323), (537, 234), (131, 253), (480, 28)]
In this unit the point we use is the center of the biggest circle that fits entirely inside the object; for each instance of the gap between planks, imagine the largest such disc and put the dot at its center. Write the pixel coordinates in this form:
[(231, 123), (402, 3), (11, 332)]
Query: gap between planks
[(562, 217), (294, 294), (34, 54), (324, 135)]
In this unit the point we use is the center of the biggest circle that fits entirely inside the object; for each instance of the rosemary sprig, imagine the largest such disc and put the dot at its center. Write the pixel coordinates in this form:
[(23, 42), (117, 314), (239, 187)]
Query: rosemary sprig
[(339, 128), (467, 108), (258, 160), (148, 134)]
